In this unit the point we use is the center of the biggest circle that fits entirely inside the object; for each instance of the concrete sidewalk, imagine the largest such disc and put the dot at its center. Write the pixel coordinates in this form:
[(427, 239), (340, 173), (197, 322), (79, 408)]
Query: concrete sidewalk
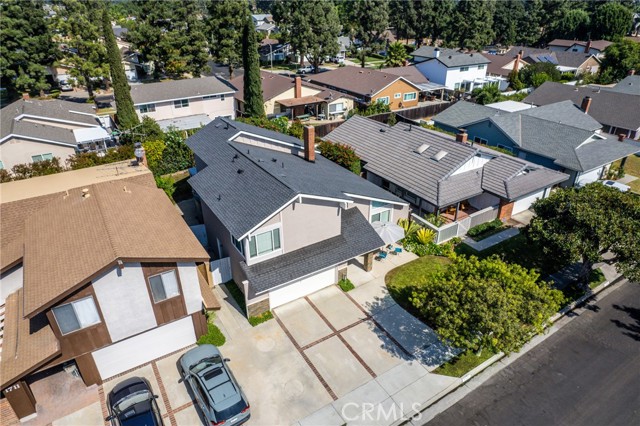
[(492, 240)]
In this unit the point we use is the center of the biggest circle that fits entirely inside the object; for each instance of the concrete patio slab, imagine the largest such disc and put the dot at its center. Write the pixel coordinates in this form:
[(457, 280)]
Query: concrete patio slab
[(374, 347), (413, 397), (147, 373), (229, 318), (279, 384), (90, 415), (189, 417), (176, 392), (373, 296), (401, 376), (339, 368), (350, 405), (304, 324), (336, 307), (326, 416)]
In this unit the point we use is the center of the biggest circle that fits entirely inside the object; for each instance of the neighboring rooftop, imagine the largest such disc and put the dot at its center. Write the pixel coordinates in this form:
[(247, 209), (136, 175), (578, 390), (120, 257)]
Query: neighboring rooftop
[(600, 45), (629, 85), (610, 108), (464, 113), (449, 57), (360, 81), (245, 184), (179, 89), (410, 73), (510, 106)]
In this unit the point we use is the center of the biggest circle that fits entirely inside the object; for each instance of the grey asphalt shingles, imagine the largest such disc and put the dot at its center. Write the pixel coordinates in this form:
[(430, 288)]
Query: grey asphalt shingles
[(179, 89)]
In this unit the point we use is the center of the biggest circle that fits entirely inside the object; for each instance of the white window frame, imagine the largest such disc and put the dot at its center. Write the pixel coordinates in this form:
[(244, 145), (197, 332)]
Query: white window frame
[(415, 96), (380, 209), (384, 100), (82, 326), (335, 106), (397, 95), (175, 274), (49, 156), (222, 97), (209, 97), (456, 86), (481, 66), (147, 108), (1, 165), (238, 245), (261, 231), (481, 141), (181, 103), (464, 69)]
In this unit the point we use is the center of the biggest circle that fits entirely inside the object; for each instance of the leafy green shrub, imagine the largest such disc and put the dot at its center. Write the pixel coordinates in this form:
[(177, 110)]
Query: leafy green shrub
[(40, 168), (437, 221), (176, 155), (259, 319), (153, 152), (485, 227), (410, 227), (425, 236), (341, 154), (89, 159), (346, 285), (5, 176), (167, 184), (433, 249), (213, 337)]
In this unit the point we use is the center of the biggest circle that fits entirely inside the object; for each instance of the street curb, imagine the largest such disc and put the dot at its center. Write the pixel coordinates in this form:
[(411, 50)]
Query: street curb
[(421, 419)]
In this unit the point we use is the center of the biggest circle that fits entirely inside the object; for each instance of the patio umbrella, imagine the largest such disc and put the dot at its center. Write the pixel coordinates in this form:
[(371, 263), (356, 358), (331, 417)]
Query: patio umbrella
[(389, 232)]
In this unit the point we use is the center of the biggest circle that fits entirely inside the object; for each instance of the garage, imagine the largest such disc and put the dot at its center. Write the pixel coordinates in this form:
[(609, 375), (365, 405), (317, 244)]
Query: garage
[(588, 177), (524, 203), (301, 288), (130, 353)]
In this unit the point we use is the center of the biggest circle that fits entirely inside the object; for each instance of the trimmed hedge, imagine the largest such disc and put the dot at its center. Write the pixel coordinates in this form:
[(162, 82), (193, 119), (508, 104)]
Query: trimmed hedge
[(485, 227)]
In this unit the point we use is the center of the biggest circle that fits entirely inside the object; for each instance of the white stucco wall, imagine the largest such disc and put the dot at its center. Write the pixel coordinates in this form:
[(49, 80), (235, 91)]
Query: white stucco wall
[(270, 106), (10, 282), (212, 107), (190, 286), (125, 302), (436, 72), (433, 70), (19, 151)]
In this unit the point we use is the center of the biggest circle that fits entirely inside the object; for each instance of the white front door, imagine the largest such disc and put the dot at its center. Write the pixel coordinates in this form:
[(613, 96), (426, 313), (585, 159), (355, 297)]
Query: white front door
[(302, 288)]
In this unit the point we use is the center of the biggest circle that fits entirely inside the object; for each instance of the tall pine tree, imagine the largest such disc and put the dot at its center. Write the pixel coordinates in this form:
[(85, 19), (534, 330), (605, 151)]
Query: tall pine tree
[(127, 117), (26, 46), (369, 19), (474, 23), (225, 22), (253, 101)]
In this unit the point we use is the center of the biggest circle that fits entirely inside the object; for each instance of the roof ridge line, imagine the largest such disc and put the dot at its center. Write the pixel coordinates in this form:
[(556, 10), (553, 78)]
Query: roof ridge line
[(104, 222)]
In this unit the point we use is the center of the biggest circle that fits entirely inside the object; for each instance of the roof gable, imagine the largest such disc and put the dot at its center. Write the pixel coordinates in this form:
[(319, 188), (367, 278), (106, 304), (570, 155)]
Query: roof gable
[(361, 81), (178, 89)]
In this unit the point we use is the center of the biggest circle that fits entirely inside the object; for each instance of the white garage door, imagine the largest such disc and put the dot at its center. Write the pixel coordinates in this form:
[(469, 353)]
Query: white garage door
[(302, 288), (524, 203), (588, 177), (130, 353)]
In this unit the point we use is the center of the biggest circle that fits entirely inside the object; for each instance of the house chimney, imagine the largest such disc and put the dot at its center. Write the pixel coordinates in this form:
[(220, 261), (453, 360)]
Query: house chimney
[(297, 91), (516, 65), (632, 71), (587, 47), (25, 96), (586, 103), (461, 136), (436, 53), (310, 143), (622, 137)]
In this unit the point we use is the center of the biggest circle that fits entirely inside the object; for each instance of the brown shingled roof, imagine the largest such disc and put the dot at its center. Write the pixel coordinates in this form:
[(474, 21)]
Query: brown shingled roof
[(27, 343), (79, 235), (209, 300), (363, 81)]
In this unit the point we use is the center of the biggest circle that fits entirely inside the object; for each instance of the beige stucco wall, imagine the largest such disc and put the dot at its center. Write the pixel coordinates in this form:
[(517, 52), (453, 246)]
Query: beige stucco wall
[(212, 107), (19, 151), (399, 211), (399, 86), (270, 106)]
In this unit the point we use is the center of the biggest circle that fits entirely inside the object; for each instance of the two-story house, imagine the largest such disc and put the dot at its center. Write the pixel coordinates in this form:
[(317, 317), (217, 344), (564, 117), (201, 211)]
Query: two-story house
[(560, 136), (185, 104), (34, 130), (369, 86), (287, 219), (98, 271), (593, 47), (454, 69)]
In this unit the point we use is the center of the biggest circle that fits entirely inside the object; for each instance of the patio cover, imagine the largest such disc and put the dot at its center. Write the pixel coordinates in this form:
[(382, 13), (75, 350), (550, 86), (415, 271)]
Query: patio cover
[(430, 87), (305, 100), (90, 134), (185, 123)]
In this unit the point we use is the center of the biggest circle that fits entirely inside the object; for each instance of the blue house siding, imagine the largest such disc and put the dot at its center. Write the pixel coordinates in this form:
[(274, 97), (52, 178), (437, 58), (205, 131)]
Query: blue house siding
[(446, 128), (539, 159), (489, 132)]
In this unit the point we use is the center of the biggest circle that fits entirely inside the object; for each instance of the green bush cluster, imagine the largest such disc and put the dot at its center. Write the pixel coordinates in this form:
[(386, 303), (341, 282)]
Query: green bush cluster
[(91, 159), (485, 227), (259, 319), (345, 285), (341, 154), (280, 125), (433, 249), (167, 184), (437, 221), (213, 337)]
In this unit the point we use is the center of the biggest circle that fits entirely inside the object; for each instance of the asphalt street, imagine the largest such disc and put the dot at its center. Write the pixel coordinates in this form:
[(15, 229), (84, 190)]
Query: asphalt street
[(587, 373)]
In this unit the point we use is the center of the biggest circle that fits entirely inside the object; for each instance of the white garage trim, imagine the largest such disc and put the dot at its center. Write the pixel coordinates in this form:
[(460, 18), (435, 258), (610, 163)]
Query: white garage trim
[(589, 176), (140, 349), (301, 288), (524, 203)]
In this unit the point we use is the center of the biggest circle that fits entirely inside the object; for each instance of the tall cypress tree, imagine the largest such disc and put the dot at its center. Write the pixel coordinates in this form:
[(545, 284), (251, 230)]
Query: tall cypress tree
[(253, 101), (127, 117)]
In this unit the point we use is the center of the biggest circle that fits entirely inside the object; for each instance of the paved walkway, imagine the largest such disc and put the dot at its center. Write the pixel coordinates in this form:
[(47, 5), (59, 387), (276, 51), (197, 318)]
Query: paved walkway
[(492, 240), (627, 178)]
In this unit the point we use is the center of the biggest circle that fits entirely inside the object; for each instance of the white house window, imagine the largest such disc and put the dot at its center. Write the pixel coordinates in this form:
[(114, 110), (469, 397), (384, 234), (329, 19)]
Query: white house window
[(222, 97), (1, 165), (264, 243), (76, 315), (209, 97), (410, 96), (480, 140), (380, 212), (336, 108), (481, 66), (164, 286), (456, 86), (462, 69), (181, 103), (147, 108), (384, 101), (238, 245), (41, 157), (397, 95)]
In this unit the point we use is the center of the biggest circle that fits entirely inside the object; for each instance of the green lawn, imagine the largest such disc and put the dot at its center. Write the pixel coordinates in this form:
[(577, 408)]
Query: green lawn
[(631, 167), (462, 364), (237, 294), (402, 280), (516, 250)]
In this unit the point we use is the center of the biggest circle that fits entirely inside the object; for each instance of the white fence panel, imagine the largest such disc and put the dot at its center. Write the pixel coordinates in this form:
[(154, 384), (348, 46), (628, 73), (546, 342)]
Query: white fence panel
[(221, 270), (483, 216)]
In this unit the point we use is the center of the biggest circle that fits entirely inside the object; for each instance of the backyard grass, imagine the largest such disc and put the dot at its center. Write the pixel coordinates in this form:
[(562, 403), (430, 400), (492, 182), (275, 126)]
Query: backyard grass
[(631, 167), (237, 294), (462, 364), (517, 250), (213, 337), (403, 280), (489, 233)]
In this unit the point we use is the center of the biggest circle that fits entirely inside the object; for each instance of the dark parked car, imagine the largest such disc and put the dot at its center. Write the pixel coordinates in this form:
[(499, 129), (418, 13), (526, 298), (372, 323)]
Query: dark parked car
[(216, 391), (132, 403)]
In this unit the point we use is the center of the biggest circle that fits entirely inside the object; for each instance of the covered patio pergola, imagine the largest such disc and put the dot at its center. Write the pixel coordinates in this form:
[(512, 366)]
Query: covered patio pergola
[(426, 89), (305, 106)]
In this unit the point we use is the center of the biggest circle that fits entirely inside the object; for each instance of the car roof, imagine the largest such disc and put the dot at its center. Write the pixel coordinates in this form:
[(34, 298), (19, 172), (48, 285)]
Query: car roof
[(220, 386)]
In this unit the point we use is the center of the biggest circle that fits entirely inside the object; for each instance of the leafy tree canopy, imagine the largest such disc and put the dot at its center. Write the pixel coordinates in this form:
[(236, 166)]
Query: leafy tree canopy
[(369, 20), (341, 154), (225, 22), (396, 55), (611, 21), (536, 74), (619, 59)]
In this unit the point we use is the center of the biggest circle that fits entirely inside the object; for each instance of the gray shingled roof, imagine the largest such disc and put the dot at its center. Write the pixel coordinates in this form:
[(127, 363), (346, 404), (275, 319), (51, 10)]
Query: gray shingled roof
[(391, 155), (462, 113), (608, 107), (451, 58), (356, 237), (565, 112), (269, 178), (179, 89), (51, 109), (629, 85)]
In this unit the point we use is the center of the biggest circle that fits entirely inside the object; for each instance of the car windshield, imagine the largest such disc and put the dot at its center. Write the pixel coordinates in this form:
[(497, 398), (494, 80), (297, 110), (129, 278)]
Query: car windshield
[(227, 413), (143, 419), (204, 363), (130, 400)]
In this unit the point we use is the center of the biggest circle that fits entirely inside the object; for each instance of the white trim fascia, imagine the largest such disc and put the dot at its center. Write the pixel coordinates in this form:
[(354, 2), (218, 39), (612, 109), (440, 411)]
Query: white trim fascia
[(380, 200), (186, 97), (13, 135), (318, 197), (262, 222), (58, 120), (242, 132)]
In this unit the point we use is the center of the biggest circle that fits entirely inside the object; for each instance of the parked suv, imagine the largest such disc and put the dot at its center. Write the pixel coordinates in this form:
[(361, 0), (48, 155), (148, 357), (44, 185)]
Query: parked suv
[(305, 70), (216, 391), (132, 403)]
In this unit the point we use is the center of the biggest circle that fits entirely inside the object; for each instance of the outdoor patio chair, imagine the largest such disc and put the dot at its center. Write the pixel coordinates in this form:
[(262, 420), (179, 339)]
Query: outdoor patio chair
[(397, 250), (382, 255)]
